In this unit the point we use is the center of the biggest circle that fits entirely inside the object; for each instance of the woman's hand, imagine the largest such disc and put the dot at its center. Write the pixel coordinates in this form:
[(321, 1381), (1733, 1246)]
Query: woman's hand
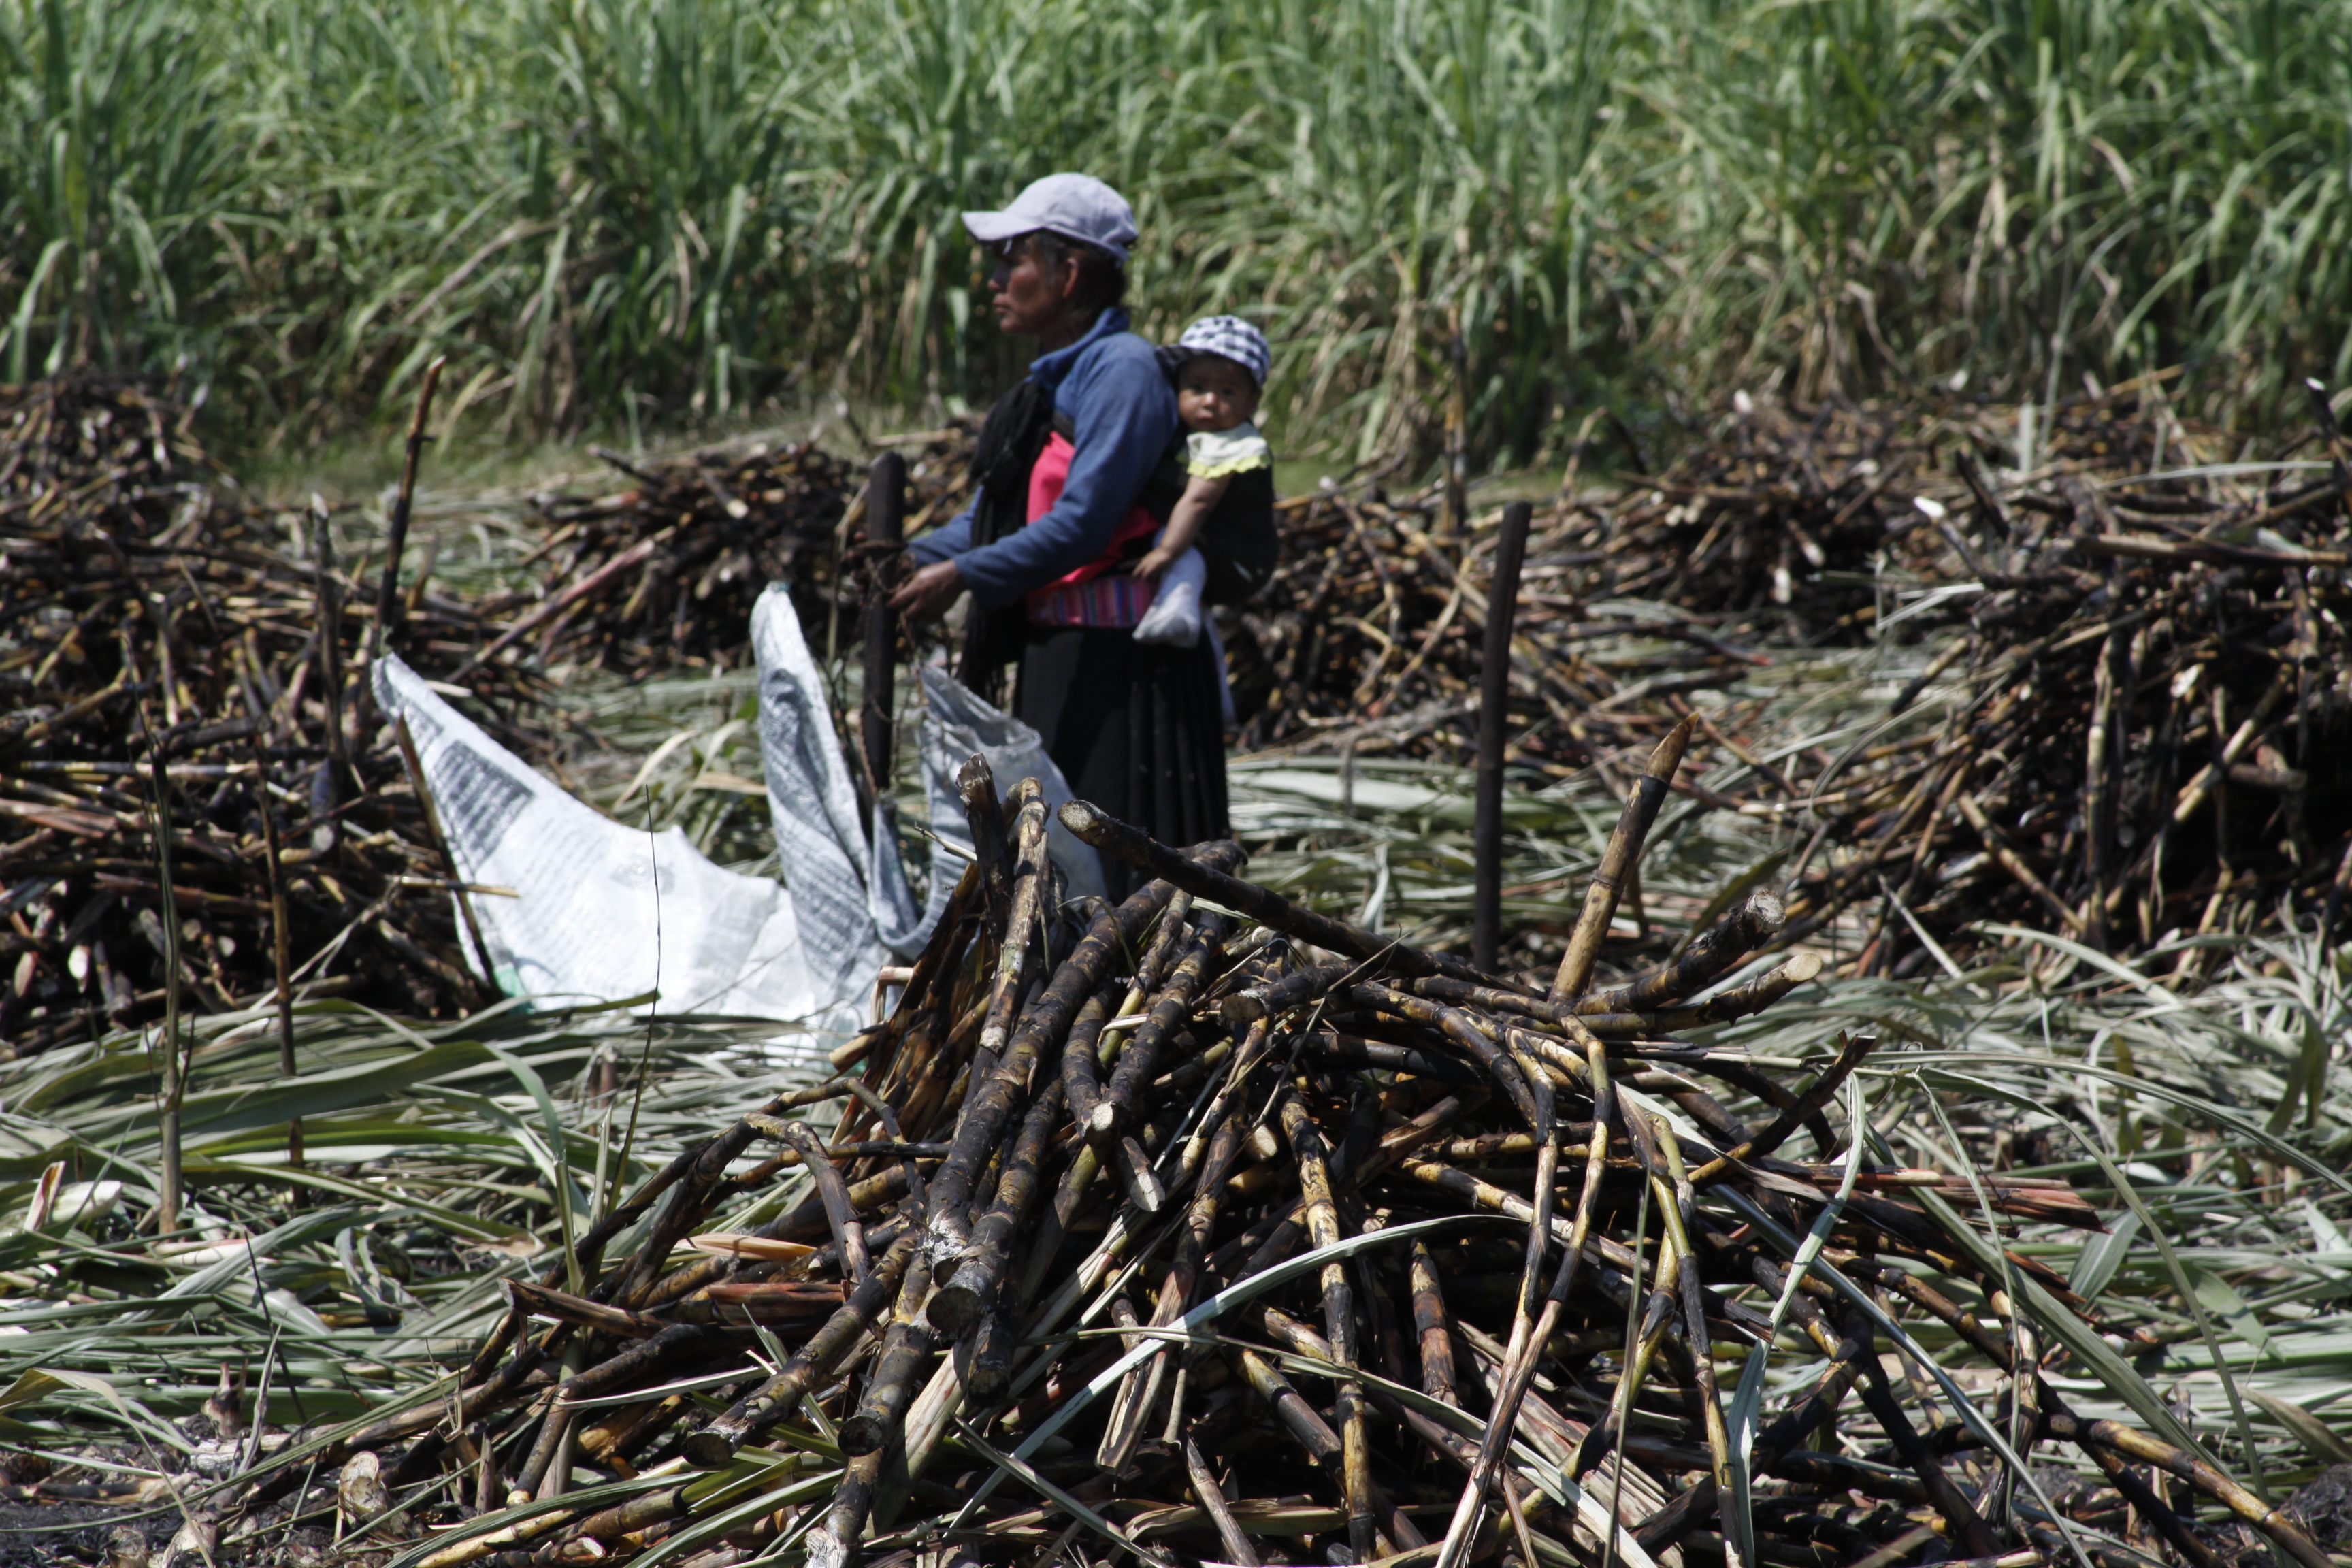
[(1154, 563), (927, 595)]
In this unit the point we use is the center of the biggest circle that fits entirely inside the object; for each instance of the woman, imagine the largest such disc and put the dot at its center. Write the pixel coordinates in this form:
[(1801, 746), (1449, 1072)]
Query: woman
[(1074, 478)]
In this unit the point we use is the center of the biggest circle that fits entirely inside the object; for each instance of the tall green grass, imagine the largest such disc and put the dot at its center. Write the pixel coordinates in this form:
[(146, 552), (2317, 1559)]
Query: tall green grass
[(692, 206)]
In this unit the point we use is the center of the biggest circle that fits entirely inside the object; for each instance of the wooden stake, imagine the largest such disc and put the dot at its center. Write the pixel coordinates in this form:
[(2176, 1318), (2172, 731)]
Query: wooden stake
[(330, 589), (167, 1201), (1457, 428), (387, 598), (1494, 717), (281, 952), (2106, 732), (885, 508)]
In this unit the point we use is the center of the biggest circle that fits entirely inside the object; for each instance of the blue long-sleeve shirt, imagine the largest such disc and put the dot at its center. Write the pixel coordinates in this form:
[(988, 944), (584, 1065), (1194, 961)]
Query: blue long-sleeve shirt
[(1110, 386)]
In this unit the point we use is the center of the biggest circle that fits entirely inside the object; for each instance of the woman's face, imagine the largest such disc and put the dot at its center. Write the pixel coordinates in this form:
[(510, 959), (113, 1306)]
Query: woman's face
[(1034, 296), (1213, 392)]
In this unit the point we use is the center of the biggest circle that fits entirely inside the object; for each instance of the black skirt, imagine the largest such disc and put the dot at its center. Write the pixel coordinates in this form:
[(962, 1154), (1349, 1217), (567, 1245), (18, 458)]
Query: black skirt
[(1135, 729)]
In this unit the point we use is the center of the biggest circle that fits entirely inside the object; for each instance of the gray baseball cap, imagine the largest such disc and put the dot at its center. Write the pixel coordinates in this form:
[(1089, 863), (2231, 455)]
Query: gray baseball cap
[(1077, 207)]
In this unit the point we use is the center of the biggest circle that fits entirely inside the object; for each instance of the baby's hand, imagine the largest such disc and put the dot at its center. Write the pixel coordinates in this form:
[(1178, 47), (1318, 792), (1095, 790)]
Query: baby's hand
[(1153, 563)]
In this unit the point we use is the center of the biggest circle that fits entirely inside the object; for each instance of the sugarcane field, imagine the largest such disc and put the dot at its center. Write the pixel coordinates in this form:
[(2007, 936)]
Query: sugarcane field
[(1400, 787)]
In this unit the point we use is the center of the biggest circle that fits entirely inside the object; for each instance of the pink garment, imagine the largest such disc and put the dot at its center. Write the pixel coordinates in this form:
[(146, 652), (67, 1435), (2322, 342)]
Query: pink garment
[(1094, 594)]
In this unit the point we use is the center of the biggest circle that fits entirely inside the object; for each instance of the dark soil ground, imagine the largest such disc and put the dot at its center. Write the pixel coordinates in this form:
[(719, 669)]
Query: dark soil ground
[(36, 1535), (2325, 1507)]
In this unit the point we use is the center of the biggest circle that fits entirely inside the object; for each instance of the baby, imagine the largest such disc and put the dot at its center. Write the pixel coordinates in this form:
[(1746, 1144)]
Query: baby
[(1220, 368)]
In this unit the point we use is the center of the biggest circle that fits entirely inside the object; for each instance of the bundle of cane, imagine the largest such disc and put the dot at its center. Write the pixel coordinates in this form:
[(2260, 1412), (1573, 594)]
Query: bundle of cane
[(110, 450), (2143, 741), (1369, 640), (664, 574), (1770, 526), (1789, 522), (1227, 1231), (195, 795)]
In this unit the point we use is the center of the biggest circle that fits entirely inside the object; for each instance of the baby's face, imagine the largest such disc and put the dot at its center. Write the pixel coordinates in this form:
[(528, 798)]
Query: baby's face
[(1213, 392)]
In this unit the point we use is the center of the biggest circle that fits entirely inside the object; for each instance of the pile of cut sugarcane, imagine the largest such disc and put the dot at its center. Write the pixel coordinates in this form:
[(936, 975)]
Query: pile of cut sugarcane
[(165, 659), (1217, 1229), (642, 580)]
